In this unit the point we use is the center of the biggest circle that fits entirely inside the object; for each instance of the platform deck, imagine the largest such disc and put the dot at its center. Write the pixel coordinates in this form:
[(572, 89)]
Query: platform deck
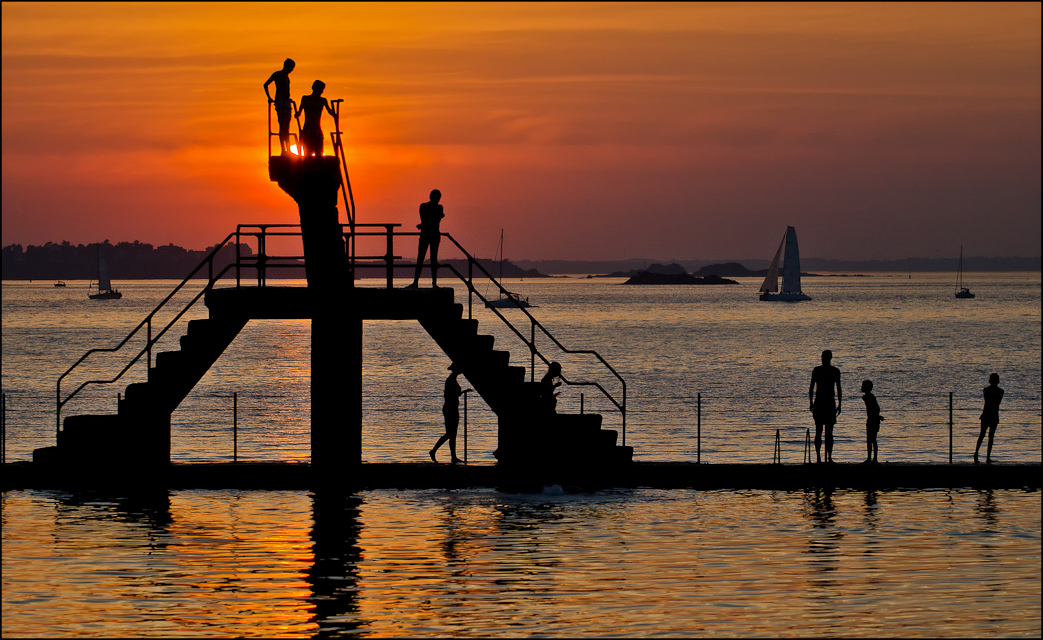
[(660, 475)]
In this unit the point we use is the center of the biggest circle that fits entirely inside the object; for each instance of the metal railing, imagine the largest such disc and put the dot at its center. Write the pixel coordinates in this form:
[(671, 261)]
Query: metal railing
[(264, 261)]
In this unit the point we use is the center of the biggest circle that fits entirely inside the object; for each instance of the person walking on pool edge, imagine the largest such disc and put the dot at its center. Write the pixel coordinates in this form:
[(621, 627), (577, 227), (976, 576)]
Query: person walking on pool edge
[(873, 419), (451, 413), (431, 214), (990, 415), (823, 378)]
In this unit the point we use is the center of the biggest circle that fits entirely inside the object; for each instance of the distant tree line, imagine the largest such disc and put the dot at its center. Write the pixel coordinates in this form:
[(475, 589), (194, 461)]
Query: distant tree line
[(141, 261), (126, 261)]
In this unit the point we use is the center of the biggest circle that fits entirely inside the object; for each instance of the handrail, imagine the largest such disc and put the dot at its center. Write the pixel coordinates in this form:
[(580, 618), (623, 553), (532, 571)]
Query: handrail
[(471, 262), (264, 260), (147, 322)]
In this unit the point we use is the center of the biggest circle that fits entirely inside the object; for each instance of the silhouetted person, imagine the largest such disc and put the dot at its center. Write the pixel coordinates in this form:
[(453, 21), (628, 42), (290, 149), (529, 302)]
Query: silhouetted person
[(990, 415), (312, 105), (873, 419), (451, 413), (820, 392), (431, 215), (283, 106), (548, 399)]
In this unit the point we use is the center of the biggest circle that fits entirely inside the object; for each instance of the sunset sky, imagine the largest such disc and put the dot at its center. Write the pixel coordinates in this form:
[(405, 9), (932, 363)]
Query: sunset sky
[(585, 131)]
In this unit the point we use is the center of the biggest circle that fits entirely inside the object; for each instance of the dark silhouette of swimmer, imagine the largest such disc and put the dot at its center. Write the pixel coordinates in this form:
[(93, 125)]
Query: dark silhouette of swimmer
[(820, 393), (312, 105), (873, 419), (548, 399), (990, 415), (431, 214), (283, 106), (451, 413)]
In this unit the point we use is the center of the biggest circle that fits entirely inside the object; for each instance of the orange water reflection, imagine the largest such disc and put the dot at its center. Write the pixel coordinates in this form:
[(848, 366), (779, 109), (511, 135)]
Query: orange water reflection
[(436, 563)]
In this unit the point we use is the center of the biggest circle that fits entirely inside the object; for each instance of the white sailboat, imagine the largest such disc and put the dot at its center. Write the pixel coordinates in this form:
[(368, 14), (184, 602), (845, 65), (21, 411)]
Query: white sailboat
[(961, 291), (790, 272), (105, 290), (508, 300)]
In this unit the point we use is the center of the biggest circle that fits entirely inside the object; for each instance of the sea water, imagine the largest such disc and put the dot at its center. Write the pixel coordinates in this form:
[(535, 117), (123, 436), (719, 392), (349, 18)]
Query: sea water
[(710, 373)]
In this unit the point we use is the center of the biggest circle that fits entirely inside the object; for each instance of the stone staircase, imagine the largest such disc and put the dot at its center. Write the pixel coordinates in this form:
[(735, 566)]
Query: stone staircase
[(140, 429), (527, 435)]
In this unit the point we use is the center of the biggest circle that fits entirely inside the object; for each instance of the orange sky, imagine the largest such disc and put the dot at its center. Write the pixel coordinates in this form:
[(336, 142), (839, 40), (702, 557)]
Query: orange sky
[(586, 131)]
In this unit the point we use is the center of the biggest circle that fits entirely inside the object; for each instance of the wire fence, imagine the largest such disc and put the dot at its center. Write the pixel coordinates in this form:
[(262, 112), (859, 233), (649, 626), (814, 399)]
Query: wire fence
[(708, 428)]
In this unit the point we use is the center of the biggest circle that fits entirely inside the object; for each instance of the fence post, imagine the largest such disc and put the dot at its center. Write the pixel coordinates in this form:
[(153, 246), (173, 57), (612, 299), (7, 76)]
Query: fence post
[(807, 447), (3, 429), (698, 428), (777, 456), (581, 404), (235, 426), (950, 427), (465, 425)]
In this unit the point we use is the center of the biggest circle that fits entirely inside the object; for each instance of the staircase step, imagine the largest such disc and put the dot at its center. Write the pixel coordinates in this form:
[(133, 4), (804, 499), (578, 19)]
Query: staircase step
[(171, 360), (84, 430)]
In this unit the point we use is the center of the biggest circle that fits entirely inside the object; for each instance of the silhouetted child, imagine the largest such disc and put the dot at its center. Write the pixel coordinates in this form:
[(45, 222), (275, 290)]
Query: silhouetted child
[(431, 214), (873, 419), (283, 105), (451, 413), (312, 106), (548, 399), (990, 415)]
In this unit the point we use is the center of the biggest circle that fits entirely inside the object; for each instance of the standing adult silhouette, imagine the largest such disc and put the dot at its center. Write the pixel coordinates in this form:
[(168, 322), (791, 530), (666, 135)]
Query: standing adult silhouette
[(825, 412), (431, 214), (451, 412), (283, 104), (990, 415), (312, 105)]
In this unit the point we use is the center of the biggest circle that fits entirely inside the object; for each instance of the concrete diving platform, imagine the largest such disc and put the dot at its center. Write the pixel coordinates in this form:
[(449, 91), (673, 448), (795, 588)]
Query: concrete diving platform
[(657, 475)]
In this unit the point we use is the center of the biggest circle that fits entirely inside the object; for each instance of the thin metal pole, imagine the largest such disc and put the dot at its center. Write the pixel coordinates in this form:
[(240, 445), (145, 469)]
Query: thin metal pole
[(777, 457), (3, 429), (699, 428), (581, 404), (465, 426), (235, 427), (950, 427), (807, 447)]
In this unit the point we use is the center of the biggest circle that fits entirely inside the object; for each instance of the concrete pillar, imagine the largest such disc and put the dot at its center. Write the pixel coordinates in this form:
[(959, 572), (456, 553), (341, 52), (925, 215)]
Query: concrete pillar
[(336, 390)]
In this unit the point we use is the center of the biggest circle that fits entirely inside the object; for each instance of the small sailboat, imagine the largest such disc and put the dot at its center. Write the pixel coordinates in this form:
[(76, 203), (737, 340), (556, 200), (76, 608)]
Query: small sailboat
[(105, 290), (790, 272), (59, 283), (508, 299), (961, 291)]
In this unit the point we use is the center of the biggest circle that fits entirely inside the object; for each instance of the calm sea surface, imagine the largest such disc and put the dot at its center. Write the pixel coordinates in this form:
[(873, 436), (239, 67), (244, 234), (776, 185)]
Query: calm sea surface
[(949, 562)]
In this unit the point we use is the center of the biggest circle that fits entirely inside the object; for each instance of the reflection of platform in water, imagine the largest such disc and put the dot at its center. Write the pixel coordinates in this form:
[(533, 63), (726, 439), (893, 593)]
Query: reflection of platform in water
[(655, 475)]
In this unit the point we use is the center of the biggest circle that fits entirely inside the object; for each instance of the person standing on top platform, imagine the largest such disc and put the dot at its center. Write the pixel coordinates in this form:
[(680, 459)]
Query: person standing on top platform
[(990, 415), (431, 215), (820, 392), (312, 105), (283, 106)]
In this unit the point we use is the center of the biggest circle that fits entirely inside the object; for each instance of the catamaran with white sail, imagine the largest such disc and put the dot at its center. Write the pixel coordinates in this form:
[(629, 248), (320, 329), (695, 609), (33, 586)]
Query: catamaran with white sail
[(790, 272)]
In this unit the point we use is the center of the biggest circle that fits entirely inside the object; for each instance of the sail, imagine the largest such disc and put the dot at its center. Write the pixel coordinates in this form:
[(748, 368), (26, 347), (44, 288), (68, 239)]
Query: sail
[(771, 281), (103, 275), (791, 263)]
